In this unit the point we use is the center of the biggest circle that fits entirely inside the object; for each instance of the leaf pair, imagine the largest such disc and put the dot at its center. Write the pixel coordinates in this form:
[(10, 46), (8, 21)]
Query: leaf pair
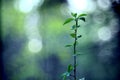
[(73, 35), (74, 14), (80, 16), (66, 74)]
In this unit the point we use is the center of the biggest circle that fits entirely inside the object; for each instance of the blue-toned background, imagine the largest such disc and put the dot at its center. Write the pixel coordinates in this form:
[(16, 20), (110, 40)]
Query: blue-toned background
[(33, 39)]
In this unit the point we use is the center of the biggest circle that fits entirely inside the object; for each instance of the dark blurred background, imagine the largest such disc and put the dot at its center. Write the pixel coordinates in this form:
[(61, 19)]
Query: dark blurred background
[(32, 39)]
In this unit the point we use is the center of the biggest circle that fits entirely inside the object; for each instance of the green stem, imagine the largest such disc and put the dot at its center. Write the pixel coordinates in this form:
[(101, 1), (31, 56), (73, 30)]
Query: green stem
[(75, 41)]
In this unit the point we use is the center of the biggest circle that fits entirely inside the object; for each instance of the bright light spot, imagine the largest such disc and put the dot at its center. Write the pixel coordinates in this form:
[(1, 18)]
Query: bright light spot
[(104, 4), (104, 34), (81, 5), (27, 5), (35, 45)]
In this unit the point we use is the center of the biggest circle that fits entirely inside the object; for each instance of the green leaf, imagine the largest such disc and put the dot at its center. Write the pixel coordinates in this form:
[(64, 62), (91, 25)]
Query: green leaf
[(64, 77), (78, 54), (68, 45), (82, 18), (79, 36), (73, 27), (78, 26), (66, 74), (80, 15), (70, 68), (68, 20), (72, 35), (74, 14)]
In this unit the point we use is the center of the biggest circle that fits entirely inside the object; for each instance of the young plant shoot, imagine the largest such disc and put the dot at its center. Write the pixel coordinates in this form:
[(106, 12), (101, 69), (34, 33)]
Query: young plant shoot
[(72, 70)]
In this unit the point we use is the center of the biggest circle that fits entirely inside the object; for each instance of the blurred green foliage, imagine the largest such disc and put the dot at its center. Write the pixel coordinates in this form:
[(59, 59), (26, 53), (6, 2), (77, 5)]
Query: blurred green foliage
[(22, 64)]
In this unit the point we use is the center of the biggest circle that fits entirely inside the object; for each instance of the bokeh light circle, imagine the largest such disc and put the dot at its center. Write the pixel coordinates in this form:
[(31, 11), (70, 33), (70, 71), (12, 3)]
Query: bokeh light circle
[(35, 45), (104, 34)]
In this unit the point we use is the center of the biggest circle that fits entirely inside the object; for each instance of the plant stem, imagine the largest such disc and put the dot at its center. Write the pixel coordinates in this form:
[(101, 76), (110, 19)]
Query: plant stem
[(75, 41)]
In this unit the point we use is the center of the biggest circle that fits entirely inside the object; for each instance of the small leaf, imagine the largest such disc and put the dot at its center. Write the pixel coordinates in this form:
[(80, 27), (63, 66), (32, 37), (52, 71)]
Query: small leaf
[(72, 35), (64, 77), (70, 68), (68, 20), (73, 27), (82, 18), (74, 14), (77, 54), (80, 15), (66, 74), (78, 26), (79, 36), (68, 45)]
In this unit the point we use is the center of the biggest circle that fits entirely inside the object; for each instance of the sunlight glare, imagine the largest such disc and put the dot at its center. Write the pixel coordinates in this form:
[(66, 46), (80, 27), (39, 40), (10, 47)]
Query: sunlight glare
[(104, 34), (104, 4), (27, 5), (35, 45), (81, 5)]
